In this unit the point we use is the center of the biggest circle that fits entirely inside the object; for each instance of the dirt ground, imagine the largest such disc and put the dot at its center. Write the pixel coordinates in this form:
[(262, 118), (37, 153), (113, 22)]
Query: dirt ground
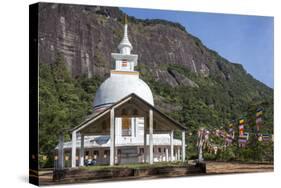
[(212, 168), (234, 167)]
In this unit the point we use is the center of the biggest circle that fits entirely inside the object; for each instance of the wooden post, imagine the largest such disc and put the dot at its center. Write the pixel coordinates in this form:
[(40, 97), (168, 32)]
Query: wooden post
[(150, 136), (112, 137), (200, 147), (73, 150), (82, 151), (61, 152)]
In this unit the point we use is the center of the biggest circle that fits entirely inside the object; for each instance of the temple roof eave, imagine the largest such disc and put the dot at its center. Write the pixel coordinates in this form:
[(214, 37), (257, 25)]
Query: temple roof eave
[(129, 57)]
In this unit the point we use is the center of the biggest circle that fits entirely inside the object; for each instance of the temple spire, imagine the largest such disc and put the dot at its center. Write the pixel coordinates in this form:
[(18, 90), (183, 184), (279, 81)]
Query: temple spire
[(125, 46), (124, 60)]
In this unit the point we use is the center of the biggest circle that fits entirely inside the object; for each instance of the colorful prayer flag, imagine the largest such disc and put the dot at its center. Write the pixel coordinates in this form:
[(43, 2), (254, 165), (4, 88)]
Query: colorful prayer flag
[(243, 139), (259, 120), (265, 137), (258, 114), (241, 121), (241, 127)]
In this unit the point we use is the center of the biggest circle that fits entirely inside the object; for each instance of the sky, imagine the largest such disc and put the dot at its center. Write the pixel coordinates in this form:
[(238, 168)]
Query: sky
[(247, 40)]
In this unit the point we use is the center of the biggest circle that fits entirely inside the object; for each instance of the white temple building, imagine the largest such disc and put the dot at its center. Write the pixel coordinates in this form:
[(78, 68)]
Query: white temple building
[(125, 126)]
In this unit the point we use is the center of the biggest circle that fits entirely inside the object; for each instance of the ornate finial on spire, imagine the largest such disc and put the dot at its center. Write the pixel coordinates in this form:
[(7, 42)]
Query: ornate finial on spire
[(125, 46)]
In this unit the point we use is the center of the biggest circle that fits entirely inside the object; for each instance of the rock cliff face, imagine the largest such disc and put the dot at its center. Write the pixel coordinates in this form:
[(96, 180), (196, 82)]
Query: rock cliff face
[(190, 83), (86, 35)]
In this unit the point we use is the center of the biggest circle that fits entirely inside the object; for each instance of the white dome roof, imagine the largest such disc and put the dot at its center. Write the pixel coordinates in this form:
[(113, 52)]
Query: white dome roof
[(117, 87)]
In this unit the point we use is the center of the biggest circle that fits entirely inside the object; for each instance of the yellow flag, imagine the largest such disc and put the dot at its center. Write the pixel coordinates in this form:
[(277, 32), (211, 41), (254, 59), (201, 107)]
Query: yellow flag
[(258, 113)]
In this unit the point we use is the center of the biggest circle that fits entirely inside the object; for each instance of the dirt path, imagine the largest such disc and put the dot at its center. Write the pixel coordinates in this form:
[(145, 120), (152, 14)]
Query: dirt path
[(46, 177), (233, 167)]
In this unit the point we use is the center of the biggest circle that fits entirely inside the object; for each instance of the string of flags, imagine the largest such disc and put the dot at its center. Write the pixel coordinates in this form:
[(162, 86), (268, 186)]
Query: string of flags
[(203, 141), (230, 135), (243, 137), (241, 127)]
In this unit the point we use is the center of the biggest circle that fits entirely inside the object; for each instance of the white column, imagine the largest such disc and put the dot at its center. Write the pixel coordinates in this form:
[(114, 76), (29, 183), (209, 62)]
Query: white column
[(150, 136), (144, 141), (82, 151), (73, 150), (112, 137), (172, 144), (61, 152), (118, 133), (167, 154), (183, 146), (179, 153), (133, 127), (116, 156)]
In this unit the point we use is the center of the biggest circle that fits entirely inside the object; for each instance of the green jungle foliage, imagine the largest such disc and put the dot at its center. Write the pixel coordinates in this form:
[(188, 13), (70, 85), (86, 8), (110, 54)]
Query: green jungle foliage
[(65, 101)]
